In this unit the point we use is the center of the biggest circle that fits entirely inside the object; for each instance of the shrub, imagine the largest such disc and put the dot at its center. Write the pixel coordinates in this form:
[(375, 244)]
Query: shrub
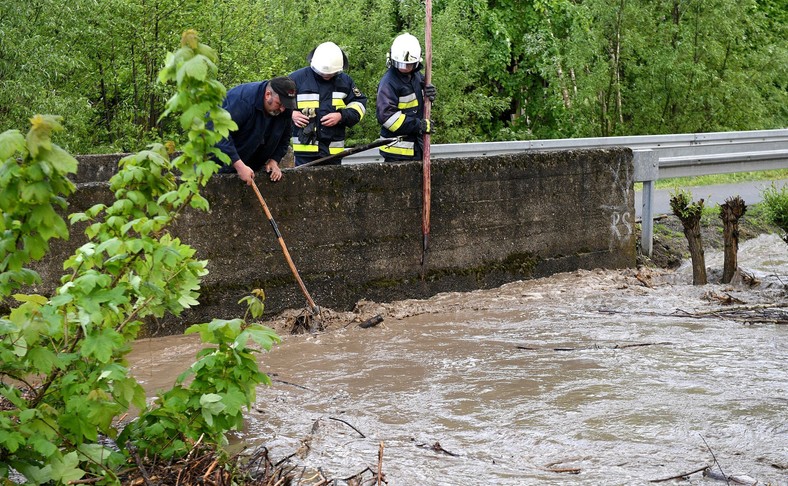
[(776, 204), (65, 379)]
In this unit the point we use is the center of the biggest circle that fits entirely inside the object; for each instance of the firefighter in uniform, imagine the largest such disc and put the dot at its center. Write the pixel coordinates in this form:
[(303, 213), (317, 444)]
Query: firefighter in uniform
[(328, 103), (400, 103)]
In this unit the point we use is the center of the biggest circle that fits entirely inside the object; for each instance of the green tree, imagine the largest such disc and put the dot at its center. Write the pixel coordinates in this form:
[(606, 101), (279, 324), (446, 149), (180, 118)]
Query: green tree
[(505, 69), (642, 67), (708, 67), (62, 358), (522, 57), (74, 58), (245, 34), (468, 103)]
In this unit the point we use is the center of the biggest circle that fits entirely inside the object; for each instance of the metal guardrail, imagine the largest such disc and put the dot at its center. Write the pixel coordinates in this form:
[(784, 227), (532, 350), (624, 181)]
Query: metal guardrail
[(667, 146), (655, 157)]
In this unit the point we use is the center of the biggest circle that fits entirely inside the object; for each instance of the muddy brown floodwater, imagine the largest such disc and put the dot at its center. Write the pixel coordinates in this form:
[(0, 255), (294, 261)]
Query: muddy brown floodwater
[(592, 377)]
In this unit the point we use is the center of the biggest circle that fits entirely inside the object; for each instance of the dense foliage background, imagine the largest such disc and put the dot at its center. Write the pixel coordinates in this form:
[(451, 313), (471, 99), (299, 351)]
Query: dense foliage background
[(505, 69)]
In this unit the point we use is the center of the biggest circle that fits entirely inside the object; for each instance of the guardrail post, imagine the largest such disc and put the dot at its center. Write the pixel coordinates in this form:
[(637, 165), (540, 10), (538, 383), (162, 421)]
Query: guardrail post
[(646, 163), (647, 223)]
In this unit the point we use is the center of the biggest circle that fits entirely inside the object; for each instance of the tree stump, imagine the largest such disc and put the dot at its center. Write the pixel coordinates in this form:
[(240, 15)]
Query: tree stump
[(689, 214), (730, 212)]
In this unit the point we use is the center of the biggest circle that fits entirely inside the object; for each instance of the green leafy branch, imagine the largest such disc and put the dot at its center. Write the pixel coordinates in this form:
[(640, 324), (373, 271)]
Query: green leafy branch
[(33, 186), (682, 205), (65, 379)]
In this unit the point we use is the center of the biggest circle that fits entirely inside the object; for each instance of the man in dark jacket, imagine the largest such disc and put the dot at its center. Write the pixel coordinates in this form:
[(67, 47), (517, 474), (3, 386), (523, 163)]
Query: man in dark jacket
[(400, 103), (328, 103), (263, 134)]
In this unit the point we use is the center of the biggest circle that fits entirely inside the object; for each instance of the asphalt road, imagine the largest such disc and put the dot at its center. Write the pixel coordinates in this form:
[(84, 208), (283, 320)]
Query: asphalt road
[(750, 191)]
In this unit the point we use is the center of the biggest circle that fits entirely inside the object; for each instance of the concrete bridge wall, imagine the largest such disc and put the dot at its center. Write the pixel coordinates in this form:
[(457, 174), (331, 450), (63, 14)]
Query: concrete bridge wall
[(354, 231)]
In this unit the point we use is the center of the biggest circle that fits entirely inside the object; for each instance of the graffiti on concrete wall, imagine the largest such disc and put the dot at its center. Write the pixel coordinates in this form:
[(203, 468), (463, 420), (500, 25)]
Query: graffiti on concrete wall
[(621, 225), (621, 217)]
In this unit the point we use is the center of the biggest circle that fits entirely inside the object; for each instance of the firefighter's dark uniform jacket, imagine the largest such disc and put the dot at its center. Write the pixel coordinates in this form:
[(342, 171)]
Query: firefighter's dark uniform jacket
[(259, 136), (400, 109), (338, 94)]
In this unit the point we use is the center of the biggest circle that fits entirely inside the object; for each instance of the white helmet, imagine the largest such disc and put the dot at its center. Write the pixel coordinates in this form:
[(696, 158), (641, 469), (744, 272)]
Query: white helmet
[(405, 51), (327, 59)]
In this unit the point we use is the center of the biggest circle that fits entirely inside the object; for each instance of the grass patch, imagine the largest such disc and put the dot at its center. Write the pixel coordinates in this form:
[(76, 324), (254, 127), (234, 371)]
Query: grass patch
[(775, 203), (759, 218), (713, 179), (667, 232)]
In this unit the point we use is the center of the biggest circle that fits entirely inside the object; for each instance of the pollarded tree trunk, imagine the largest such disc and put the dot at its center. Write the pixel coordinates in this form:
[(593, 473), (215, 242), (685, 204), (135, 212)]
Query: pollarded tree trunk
[(730, 212), (689, 214)]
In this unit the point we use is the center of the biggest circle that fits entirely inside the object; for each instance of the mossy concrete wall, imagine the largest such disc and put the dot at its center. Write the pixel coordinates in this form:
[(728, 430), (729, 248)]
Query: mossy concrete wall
[(354, 231)]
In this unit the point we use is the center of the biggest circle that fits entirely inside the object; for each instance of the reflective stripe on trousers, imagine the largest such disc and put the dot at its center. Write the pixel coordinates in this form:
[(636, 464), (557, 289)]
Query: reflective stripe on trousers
[(399, 148)]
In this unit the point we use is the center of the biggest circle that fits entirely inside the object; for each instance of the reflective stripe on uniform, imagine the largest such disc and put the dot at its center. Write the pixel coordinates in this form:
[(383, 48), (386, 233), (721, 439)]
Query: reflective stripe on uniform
[(333, 147), (302, 147), (336, 147), (408, 101), (358, 107), (308, 100), (399, 148), (338, 99), (395, 121), (305, 148)]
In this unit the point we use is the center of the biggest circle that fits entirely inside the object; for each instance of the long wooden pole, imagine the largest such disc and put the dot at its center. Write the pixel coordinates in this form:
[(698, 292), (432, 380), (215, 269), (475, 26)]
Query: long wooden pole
[(314, 308), (426, 176)]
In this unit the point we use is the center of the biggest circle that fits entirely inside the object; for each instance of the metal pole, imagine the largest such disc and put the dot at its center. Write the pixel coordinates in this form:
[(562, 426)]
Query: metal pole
[(646, 168), (350, 151), (647, 220)]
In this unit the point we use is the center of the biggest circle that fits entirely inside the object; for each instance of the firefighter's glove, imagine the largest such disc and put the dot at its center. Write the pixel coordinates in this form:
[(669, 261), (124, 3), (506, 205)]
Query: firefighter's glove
[(426, 126), (430, 91), (308, 134)]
